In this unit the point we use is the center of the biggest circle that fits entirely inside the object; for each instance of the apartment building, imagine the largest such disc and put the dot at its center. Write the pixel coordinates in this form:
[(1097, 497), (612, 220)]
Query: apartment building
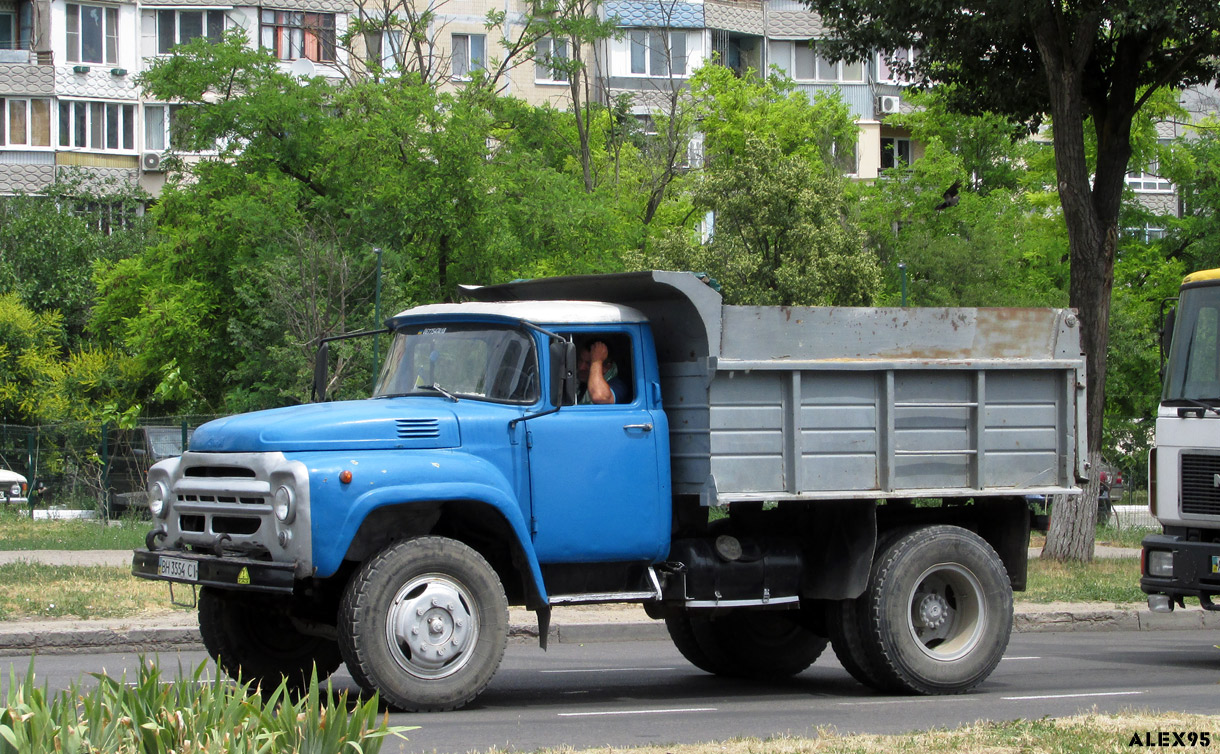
[(68, 97)]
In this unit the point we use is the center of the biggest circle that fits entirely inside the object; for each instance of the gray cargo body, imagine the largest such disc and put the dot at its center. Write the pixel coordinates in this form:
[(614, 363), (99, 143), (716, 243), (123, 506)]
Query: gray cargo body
[(809, 403)]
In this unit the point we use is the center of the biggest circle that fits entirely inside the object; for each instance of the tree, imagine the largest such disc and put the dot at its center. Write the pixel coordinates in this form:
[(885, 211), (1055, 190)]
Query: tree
[(1074, 60), (50, 242), (782, 234)]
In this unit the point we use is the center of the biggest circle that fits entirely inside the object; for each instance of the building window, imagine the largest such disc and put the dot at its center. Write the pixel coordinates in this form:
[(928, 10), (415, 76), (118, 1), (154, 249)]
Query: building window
[(551, 60), (1147, 179), (97, 125), (8, 31), (15, 28), (469, 51), (802, 61), (1147, 233), (159, 124), (656, 52), (895, 152), (27, 122), (93, 34), (887, 61), (384, 48), (293, 34), (177, 27)]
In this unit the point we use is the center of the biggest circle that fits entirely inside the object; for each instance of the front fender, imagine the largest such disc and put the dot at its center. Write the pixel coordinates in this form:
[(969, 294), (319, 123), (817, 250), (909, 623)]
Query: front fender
[(397, 477)]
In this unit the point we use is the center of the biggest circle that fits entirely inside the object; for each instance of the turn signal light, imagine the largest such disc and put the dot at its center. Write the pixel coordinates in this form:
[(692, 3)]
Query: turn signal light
[(345, 476)]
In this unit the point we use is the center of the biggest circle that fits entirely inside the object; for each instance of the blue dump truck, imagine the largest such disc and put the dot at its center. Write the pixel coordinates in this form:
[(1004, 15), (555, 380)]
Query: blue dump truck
[(770, 480)]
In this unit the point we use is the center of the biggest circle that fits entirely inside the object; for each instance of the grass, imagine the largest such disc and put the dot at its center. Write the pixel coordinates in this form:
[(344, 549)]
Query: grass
[(1081, 734), (32, 591), (18, 532), (1107, 580)]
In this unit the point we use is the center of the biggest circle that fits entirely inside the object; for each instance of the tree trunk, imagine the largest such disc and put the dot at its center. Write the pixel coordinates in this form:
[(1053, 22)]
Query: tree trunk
[(1091, 213)]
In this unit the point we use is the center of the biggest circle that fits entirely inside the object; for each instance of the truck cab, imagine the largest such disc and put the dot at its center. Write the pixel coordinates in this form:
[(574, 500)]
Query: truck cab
[(1184, 466)]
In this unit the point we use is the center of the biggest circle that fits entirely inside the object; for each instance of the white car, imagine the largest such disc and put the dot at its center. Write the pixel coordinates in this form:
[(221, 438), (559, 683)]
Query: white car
[(13, 487)]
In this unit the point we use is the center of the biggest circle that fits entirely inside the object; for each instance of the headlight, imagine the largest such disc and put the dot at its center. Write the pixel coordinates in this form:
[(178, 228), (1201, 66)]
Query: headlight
[(15, 490), (285, 510), (157, 497), (1160, 563)]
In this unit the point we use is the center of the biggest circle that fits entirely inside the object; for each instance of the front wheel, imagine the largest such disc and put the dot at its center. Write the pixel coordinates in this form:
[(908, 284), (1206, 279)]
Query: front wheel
[(256, 640), (938, 612), (425, 623)]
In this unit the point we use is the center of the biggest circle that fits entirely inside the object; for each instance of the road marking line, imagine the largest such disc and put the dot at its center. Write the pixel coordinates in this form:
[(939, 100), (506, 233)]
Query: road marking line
[(1022, 658), (638, 712), (1070, 696), (604, 670)]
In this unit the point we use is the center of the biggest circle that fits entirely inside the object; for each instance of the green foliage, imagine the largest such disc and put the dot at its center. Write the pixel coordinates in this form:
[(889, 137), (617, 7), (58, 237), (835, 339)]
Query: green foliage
[(733, 109), (781, 237), (186, 714), (999, 246), (30, 367), (782, 233), (1193, 164), (50, 242)]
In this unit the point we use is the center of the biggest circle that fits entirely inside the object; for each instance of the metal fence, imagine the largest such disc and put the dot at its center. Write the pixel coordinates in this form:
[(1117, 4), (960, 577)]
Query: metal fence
[(83, 465)]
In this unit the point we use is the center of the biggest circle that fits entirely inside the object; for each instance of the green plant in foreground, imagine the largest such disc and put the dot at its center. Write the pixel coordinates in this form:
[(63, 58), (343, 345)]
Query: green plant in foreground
[(186, 715)]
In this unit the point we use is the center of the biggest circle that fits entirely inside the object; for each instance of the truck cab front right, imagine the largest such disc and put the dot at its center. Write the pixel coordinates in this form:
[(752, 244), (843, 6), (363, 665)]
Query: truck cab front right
[(1184, 467)]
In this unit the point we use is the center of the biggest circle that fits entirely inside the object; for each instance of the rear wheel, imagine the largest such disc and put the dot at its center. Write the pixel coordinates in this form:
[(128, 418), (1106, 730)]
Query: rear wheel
[(763, 644), (258, 641), (938, 612), (425, 623)]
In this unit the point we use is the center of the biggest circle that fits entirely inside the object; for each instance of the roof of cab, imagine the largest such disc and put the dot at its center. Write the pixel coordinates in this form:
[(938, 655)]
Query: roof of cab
[(1195, 277), (538, 312)]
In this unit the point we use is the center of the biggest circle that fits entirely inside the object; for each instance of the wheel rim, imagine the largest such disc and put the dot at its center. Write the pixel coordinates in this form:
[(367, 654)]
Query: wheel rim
[(432, 626), (945, 615)]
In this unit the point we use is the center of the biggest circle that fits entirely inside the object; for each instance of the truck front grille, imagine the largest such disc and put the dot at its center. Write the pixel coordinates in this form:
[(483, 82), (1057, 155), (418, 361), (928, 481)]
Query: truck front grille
[(1201, 485)]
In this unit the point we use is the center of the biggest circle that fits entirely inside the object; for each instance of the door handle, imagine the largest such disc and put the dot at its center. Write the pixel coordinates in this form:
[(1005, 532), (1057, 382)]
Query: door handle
[(641, 427)]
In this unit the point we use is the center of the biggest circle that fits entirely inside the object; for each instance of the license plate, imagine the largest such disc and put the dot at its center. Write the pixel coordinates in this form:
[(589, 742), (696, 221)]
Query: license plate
[(177, 568), (1216, 564)]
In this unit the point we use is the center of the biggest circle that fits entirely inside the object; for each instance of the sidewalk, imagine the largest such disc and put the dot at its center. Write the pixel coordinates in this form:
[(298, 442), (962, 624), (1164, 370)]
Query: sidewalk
[(173, 630)]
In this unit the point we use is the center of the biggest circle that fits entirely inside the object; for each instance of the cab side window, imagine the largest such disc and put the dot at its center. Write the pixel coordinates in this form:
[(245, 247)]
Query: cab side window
[(616, 369)]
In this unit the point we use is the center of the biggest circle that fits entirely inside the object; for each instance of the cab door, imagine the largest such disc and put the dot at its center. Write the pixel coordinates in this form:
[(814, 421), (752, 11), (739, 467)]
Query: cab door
[(599, 491)]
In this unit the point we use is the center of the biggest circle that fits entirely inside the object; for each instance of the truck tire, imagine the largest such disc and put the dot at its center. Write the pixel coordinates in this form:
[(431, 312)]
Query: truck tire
[(258, 643), (845, 622), (683, 637), (938, 612), (425, 623), (759, 644)]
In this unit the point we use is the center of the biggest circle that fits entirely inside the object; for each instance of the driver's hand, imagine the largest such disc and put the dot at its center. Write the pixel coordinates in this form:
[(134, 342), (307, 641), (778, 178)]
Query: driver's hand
[(599, 352)]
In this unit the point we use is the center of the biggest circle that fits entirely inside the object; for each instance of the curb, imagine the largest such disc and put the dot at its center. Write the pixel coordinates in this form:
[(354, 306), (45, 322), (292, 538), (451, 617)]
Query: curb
[(15, 641)]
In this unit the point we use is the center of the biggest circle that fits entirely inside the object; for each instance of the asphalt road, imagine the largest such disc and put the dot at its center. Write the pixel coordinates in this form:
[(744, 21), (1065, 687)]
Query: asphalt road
[(623, 694)]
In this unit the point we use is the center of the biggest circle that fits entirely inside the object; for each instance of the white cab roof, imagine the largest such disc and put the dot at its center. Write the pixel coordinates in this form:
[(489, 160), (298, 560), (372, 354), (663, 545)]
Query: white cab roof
[(538, 312)]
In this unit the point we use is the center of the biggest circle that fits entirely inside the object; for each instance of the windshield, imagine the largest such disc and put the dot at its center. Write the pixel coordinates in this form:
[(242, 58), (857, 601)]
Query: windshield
[(1193, 370), (479, 361)]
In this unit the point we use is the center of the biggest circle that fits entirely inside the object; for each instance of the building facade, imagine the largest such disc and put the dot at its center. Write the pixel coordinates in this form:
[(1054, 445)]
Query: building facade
[(68, 98)]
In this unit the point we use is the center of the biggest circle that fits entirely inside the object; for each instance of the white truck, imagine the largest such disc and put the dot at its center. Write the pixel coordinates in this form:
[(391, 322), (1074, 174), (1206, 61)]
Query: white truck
[(1184, 465)]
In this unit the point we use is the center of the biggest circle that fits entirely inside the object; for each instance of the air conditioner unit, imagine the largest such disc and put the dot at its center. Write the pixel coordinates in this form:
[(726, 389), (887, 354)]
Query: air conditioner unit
[(889, 104), (152, 162)]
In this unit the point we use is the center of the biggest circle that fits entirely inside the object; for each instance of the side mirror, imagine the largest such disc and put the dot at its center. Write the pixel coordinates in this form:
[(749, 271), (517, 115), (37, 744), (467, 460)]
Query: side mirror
[(321, 367), (1169, 317), (563, 373)]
